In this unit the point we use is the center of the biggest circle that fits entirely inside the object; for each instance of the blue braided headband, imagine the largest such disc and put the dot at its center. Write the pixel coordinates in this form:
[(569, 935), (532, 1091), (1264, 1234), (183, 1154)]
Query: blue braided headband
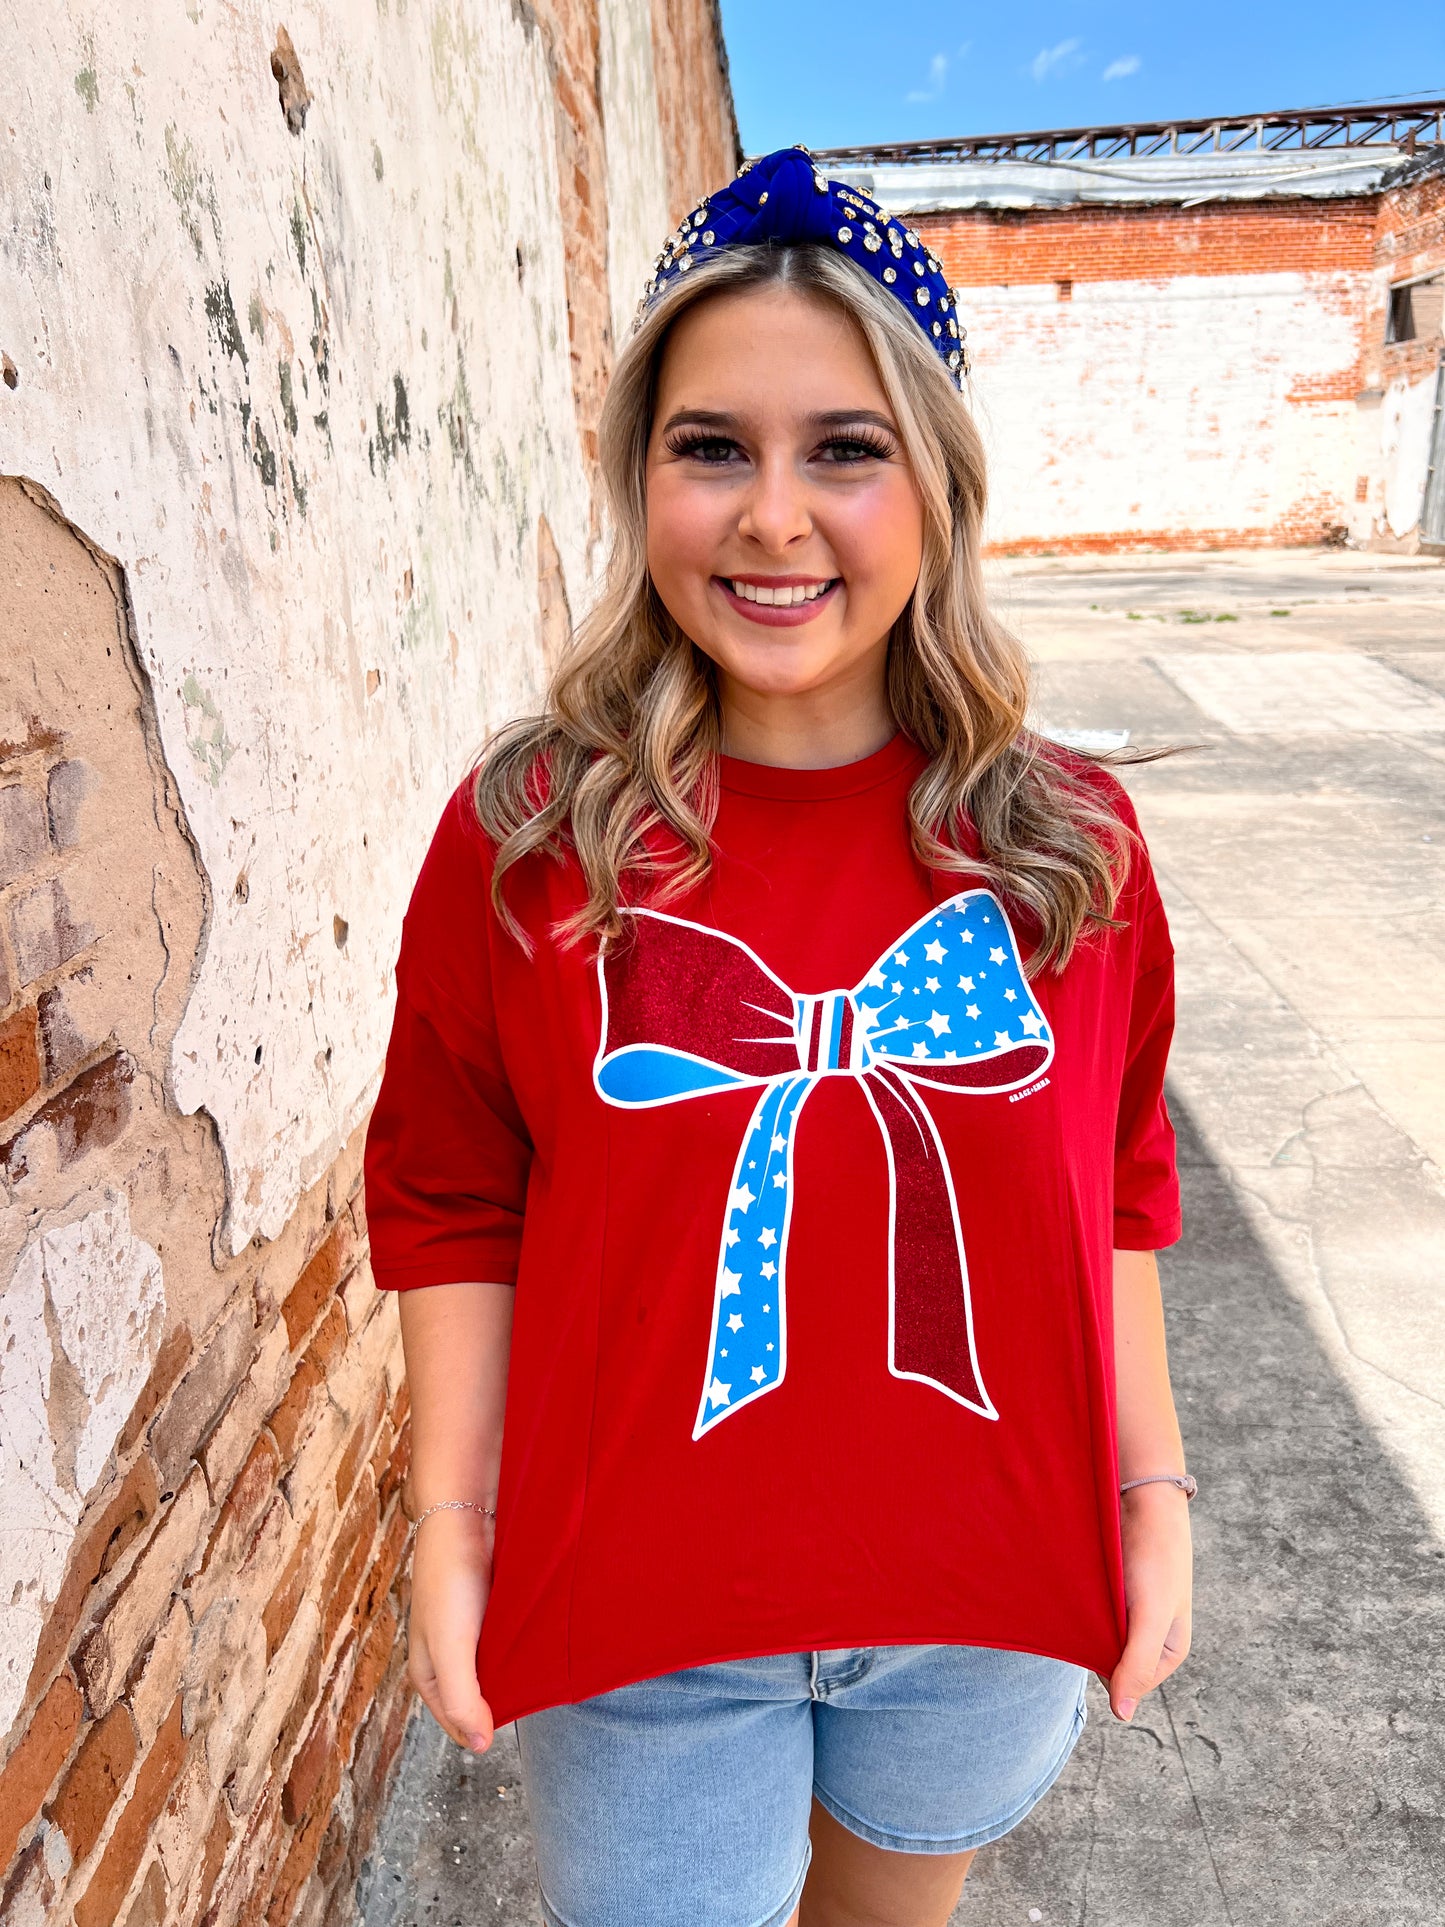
[(784, 197)]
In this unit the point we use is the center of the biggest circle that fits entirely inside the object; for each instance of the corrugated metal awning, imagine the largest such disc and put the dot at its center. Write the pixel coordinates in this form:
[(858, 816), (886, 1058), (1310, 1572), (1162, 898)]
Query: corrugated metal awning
[(1177, 179)]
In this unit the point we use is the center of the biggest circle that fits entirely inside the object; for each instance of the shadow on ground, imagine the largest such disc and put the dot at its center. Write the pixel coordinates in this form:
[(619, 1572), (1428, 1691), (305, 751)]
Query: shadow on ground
[(1292, 1774)]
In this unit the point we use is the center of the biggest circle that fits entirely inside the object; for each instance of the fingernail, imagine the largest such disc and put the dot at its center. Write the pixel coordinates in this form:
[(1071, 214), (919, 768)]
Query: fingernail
[(1126, 1709), (480, 1742)]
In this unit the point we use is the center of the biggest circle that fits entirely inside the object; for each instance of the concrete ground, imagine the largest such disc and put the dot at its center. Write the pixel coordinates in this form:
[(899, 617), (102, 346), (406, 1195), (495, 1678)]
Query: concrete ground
[(1293, 1773)]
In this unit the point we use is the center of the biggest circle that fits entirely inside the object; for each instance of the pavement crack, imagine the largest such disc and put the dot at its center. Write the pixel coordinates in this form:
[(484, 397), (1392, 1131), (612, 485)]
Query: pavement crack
[(1301, 1225), (1093, 1831), (1237, 1177), (1199, 1811)]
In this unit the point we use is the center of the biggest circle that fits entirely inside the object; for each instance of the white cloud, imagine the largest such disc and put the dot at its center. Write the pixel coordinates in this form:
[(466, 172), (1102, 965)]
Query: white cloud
[(1053, 60), (937, 75), (1122, 68)]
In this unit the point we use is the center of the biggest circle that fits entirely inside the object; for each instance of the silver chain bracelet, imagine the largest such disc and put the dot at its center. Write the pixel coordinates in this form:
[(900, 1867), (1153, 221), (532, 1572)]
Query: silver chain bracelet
[(453, 1505), (1187, 1485)]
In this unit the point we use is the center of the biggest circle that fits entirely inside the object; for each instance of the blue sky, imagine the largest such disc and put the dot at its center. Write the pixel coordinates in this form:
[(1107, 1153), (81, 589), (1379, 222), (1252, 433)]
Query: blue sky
[(843, 73)]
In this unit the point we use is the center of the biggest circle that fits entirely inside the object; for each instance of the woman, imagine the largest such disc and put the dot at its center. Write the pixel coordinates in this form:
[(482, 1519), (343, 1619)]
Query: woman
[(787, 1023)]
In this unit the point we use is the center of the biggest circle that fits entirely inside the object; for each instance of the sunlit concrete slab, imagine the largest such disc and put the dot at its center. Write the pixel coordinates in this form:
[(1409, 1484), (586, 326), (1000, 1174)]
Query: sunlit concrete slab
[(1292, 693)]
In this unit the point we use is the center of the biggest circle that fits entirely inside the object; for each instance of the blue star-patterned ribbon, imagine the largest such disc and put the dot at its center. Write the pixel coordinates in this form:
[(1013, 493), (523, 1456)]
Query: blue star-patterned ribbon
[(688, 1010)]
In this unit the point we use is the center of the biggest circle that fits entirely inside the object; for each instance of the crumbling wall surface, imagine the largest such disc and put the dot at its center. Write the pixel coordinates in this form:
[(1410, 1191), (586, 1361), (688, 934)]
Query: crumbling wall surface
[(302, 333), (699, 129), (103, 909), (1170, 378), (637, 173), (313, 388), (200, 1456), (1400, 380)]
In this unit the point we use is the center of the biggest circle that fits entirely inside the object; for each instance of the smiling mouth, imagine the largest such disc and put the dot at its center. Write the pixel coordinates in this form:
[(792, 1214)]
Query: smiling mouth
[(782, 595)]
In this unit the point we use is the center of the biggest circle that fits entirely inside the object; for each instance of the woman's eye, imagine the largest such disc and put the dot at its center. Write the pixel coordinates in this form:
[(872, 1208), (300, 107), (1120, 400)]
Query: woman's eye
[(849, 450), (712, 450)]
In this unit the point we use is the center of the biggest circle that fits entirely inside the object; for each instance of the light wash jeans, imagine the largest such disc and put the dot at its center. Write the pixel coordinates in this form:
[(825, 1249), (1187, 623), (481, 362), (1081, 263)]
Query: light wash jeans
[(683, 1801)]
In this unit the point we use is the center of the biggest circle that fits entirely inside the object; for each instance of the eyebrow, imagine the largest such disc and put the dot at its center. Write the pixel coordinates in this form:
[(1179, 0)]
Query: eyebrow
[(818, 422)]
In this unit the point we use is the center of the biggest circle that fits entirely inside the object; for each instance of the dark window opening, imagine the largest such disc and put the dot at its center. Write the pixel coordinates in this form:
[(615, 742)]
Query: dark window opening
[(1417, 309)]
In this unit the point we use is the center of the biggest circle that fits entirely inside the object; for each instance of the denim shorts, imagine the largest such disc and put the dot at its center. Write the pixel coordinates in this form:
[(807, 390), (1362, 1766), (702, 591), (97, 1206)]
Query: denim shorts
[(684, 1801)]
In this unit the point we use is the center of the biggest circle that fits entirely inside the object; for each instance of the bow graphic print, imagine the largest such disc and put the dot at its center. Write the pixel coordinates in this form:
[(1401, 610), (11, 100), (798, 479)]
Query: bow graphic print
[(688, 1010)]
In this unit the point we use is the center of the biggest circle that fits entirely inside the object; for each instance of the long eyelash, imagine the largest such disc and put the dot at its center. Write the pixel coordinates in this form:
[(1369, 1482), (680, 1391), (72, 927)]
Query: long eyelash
[(687, 442), (872, 439)]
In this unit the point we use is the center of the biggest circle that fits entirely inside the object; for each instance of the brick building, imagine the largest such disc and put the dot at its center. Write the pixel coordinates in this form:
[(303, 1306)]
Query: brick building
[(303, 337), (1197, 335)]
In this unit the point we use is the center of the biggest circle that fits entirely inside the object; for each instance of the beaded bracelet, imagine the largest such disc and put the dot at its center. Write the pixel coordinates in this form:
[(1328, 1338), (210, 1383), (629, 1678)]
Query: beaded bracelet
[(453, 1505), (1187, 1485)]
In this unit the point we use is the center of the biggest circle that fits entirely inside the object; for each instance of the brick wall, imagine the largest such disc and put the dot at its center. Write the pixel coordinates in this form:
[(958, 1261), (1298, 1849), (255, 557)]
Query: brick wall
[(699, 149), (571, 32), (989, 247), (63, 1089), (699, 128), (210, 1699), (1409, 241), (1166, 377), (212, 1716), (1398, 378), (202, 1656)]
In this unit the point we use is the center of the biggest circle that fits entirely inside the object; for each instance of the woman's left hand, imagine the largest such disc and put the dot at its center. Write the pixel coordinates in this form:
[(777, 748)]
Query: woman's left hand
[(1158, 1577)]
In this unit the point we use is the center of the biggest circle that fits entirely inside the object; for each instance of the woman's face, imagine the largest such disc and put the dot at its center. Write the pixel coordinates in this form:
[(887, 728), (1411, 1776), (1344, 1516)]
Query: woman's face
[(784, 529)]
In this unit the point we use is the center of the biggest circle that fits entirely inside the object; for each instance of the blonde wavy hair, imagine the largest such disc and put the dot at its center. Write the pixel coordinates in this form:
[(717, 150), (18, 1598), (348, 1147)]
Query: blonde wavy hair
[(621, 765)]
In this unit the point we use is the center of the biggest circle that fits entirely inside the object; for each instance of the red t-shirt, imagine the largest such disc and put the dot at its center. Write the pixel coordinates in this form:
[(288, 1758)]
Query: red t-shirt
[(809, 1196)]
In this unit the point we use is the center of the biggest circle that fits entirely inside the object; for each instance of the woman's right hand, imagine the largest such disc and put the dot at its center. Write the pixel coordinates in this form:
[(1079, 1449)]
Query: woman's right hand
[(451, 1578)]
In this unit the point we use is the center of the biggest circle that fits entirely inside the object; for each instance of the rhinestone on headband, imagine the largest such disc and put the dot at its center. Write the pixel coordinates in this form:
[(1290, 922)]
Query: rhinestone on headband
[(784, 198)]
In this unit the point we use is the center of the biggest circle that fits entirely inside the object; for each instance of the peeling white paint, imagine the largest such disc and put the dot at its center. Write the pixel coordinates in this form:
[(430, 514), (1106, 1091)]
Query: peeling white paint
[(1406, 416), (80, 1325), (1166, 406), (314, 392), (636, 167)]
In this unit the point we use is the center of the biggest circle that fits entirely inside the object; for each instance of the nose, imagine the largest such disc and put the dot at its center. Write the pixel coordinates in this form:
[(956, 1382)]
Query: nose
[(775, 512)]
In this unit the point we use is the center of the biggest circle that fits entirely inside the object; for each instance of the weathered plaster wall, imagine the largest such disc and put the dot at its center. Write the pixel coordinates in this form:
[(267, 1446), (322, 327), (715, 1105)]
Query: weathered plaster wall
[(102, 907), (699, 128), (1199, 409), (637, 175), (303, 331), (332, 409), (310, 388)]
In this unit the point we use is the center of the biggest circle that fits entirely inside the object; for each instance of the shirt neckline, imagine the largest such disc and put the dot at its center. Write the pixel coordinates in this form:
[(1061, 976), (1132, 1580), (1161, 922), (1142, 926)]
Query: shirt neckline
[(818, 785)]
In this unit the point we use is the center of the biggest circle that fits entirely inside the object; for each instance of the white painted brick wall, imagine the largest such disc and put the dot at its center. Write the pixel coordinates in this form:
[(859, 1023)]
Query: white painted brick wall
[(1166, 407)]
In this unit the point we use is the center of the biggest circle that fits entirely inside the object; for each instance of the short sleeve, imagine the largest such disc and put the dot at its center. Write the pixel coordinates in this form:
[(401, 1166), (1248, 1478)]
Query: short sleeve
[(447, 1151), (1146, 1175)]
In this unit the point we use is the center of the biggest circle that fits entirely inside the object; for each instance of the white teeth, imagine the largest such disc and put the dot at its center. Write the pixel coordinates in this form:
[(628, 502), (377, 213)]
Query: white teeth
[(778, 597)]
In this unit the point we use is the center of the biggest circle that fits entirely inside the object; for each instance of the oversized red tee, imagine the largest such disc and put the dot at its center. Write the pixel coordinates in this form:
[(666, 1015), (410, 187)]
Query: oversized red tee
[(809, 1195)]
